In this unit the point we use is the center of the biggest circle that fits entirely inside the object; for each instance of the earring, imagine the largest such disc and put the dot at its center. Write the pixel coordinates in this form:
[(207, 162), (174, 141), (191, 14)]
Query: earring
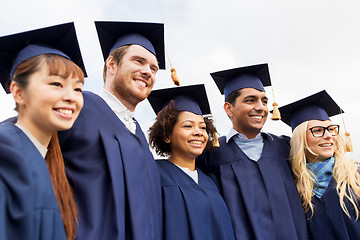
[(167, 140)]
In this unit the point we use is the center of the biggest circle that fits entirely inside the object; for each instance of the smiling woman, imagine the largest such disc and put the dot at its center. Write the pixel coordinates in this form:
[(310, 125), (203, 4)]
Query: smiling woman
[(192, 205), (36, 201), (327, 180)]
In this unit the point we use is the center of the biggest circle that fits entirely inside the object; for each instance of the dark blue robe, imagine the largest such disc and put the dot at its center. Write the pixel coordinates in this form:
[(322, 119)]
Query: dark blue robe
[(28, 206), (261, 196), (329, 220), (113, 174), (192, 211)]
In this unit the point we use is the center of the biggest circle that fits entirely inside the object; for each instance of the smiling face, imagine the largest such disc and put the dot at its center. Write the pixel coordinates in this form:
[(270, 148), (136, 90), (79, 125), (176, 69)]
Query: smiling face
[(323, 147), (48, 103), (134, 78), (188, 138), (249, 113)]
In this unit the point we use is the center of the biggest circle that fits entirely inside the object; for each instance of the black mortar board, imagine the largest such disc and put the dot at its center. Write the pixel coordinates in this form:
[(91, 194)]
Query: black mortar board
[(59, 39), (148, 35), (319, 106), (191, 98), (255, 76)]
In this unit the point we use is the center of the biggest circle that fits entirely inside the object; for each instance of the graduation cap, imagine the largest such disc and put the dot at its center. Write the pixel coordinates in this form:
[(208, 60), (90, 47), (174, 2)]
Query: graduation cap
[(15, 49), (116, 34), (191, 98), (319, 106)]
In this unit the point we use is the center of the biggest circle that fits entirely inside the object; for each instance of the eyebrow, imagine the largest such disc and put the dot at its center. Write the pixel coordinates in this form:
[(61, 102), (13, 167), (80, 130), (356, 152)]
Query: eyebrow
[(191, 121), (253, 96)]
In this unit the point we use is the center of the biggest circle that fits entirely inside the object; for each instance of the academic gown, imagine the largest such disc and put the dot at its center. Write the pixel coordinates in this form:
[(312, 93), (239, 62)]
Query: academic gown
[(28, 206), (261, 195), (192, 211), (113, 174), (329, 220)]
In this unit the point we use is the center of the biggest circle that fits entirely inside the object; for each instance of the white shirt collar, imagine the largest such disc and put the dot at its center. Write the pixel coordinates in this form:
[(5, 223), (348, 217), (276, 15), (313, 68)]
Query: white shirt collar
[(233, 133), (125, 115), (193, 174), (43, 150), (115, 103)]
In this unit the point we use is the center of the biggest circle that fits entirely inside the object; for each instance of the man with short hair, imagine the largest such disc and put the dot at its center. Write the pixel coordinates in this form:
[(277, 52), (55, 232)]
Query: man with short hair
[(251, 166), (110, 167)]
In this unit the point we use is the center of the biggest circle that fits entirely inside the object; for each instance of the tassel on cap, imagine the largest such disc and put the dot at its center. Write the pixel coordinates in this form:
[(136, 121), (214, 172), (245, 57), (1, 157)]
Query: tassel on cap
[(347, 139), (215, 140), (174, 76), (276, 113)]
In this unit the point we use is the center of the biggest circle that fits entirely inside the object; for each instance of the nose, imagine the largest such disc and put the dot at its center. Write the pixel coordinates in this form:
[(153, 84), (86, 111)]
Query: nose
[(259, 106), (198, 131), (69, 95), (327, 134), (146, 70)]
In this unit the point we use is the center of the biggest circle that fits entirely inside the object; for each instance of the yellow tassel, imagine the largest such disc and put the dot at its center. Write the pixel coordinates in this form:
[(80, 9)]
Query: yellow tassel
[(348, 143), (276, 113), (175, 77), (347, 139), (215, 141)]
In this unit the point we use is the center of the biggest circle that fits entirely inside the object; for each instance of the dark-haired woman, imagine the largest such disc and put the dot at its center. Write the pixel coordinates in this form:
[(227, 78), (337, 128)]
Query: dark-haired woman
[(36, 201), (192, 205)]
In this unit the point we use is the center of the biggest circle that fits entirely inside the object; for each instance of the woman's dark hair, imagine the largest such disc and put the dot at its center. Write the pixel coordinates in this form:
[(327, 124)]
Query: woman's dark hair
[(164, 125), (56, 65)]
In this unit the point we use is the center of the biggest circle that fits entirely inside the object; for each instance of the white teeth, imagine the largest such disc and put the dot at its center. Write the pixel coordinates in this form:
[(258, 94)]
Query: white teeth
[(196, 142), (326, 145), (256, 117), (65, 111), (141, 83)]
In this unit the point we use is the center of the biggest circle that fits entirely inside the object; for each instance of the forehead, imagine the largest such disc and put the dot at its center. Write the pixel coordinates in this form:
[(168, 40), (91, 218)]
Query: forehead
[(137, 50), (313, 123), (252, 92), (189, 116)]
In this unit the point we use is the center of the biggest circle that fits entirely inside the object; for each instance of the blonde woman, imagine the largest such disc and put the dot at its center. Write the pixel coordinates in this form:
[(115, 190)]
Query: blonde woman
[(327, 180)]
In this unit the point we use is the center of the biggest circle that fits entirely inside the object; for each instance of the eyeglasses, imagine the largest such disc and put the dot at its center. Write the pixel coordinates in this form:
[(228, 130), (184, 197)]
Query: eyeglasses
[(318, 131)]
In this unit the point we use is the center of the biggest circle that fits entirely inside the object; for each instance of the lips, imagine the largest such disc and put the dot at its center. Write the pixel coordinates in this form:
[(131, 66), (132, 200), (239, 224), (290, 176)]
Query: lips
[(64, 112), (326, 145), (141, 83), (197, 143)]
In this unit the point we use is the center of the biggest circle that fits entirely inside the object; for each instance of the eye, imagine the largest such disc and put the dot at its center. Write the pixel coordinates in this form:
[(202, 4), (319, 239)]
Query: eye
[(78, 90), (249, 100), (317, 130), (265, 102), (57, 84)]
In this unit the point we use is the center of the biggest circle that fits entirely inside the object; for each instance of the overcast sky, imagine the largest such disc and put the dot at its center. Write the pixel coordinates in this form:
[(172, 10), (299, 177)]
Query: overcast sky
[(310, 45)]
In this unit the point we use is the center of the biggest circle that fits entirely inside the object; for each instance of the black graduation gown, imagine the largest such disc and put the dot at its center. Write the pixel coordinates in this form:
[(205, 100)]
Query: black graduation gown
[(261, 196), (329, 220), (192, 211), (28, 206), (113, 174)]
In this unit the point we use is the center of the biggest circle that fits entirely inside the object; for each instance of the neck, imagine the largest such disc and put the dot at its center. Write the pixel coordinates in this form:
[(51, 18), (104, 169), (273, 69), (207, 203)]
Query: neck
[(129, 105), (248, 134), (183, 162), (41, 135)]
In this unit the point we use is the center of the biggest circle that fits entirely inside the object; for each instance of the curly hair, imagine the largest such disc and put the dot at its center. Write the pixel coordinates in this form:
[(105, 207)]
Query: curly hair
[(164, 125)]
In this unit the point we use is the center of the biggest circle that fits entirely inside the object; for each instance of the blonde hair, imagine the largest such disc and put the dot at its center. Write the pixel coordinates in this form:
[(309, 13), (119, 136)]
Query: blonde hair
[(345, 172)]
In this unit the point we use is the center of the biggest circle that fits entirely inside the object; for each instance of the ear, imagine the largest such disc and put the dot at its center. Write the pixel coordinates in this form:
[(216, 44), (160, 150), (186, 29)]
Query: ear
[(167, 140), (18, 93), (111, 65), (228, 107)]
